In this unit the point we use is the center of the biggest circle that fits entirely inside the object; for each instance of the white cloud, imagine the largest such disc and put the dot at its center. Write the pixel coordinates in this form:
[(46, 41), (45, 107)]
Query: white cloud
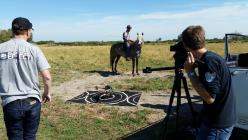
[(217, 21), (226, 11)]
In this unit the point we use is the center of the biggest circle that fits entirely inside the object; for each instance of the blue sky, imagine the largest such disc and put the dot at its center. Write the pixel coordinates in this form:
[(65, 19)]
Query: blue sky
[(88, 20)]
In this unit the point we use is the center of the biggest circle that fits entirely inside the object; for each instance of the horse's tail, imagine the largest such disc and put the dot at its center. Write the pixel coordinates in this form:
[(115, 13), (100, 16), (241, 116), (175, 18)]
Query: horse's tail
[(112, 55)]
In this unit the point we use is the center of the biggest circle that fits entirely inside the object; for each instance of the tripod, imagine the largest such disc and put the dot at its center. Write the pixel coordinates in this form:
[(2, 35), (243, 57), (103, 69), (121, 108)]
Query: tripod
[(179, 77)]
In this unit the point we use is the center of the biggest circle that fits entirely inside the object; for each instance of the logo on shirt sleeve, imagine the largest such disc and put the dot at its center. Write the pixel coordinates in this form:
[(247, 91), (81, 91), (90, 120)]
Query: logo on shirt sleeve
[(210, 76)]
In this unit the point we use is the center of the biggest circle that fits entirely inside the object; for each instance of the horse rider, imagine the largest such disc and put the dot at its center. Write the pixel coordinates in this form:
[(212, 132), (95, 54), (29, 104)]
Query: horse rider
[(127, 41)]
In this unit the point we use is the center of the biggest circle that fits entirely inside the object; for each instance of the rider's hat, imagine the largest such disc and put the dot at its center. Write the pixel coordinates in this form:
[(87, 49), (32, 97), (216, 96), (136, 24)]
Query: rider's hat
[(129, 27)]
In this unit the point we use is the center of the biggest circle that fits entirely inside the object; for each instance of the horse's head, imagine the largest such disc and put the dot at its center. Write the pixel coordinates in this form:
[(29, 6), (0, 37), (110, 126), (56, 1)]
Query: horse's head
[(140, 39), (138, 44)]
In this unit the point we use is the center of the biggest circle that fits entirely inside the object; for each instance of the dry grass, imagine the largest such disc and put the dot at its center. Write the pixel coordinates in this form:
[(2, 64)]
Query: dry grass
[(70, 62), (67, 121), (60, 121)]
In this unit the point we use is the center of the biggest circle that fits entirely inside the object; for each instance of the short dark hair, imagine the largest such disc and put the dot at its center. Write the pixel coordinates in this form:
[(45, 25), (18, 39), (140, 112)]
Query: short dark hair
[(194, 37), (19, 32)]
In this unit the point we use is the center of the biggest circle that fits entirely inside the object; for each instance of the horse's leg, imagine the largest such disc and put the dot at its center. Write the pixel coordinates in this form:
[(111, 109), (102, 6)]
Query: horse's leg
[(133, 65), (112, 61), (137, 66), (116, 62)]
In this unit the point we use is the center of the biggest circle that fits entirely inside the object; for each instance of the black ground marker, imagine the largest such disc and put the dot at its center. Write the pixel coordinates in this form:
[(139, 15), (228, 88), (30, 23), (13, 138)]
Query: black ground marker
[(122, 98)]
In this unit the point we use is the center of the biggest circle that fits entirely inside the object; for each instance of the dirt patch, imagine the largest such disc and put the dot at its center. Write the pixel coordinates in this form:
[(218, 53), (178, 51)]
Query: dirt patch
[(73, 88), (156, 101)]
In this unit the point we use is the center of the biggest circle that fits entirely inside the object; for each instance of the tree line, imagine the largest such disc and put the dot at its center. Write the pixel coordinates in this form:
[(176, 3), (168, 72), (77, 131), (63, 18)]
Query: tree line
[(5, 35)]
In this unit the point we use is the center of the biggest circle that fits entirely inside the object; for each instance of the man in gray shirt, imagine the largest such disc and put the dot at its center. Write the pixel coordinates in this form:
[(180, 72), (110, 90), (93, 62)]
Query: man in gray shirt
[(20, 65)]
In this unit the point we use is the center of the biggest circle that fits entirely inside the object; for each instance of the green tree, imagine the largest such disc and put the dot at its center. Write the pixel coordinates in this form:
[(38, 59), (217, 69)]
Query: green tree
[(5, 35)]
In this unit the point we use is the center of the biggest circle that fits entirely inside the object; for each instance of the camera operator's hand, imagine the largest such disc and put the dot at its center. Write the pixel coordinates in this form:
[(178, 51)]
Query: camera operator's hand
[(189, 64)]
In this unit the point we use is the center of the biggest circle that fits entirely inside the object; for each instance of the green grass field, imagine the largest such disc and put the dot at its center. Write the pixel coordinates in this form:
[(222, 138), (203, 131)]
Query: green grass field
[(63, 121)]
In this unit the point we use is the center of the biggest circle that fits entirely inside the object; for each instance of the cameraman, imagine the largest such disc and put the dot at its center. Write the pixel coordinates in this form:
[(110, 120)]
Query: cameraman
[(212, 83)]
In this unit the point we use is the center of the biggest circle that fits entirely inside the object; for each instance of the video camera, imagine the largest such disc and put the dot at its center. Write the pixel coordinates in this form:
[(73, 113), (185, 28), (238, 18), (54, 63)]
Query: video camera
[(180, 54), (179, 57)]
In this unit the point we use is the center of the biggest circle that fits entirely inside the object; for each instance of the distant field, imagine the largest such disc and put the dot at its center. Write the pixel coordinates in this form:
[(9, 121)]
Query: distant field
[(66, 61), (62, 121), (71, 61)]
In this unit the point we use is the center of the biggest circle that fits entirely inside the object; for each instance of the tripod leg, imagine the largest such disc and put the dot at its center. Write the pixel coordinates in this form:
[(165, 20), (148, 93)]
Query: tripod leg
[(178, 102), (188, 98), (169, 108)]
